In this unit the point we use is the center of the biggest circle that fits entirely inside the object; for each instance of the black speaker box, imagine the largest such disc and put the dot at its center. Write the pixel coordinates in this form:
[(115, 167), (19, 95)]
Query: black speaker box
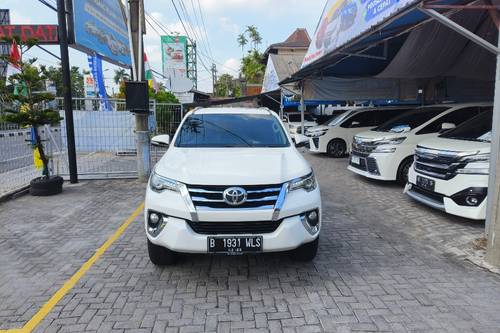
[(137, 96)]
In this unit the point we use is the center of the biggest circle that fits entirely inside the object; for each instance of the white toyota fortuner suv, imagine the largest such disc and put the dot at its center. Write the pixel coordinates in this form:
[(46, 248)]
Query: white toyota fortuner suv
[(386, 152), (231, 182), (335, 136), (450, 172)]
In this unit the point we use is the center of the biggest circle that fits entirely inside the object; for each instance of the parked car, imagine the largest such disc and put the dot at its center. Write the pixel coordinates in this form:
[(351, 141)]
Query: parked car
[(450, 172), (386, 152), (335, 136), (231, 182), (293, 121)]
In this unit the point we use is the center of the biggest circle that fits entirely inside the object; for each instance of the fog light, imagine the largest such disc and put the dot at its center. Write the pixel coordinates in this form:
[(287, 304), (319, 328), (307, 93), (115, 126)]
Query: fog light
[(472, 200), (312, 218), (153, 220)]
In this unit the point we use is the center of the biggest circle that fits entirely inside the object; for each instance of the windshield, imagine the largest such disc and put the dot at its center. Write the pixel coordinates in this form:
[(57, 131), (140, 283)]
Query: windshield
[(476, 129), (338, 119), (231, 130), (295, 117), (411, 119)]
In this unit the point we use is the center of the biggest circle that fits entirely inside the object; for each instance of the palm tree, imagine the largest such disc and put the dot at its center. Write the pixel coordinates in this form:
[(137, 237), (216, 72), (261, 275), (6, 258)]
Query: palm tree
[(242, 41), (121, 75), (254, 35)]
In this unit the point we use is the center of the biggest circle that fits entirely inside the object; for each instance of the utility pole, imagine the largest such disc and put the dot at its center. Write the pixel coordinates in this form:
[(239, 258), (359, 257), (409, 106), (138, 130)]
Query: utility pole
[(66, 81), (493, 204), (137, 29), (214, 79)]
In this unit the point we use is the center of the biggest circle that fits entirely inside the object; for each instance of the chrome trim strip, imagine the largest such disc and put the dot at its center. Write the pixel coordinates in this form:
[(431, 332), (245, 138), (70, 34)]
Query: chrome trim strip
[(443, 153), (202, 208), (272, 197), (201, 199), (426, 201), (187, 199), (437, 165), (199, 190), (280, 201), (272, 189)]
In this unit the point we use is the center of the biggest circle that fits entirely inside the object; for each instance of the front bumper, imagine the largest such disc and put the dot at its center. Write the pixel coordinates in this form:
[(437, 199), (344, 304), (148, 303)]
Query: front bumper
[(441, 199), (178, 236), (382, 166)]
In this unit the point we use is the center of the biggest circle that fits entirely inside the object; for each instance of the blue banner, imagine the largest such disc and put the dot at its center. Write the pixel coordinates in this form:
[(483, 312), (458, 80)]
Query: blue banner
[(100, 27), (95, 64)]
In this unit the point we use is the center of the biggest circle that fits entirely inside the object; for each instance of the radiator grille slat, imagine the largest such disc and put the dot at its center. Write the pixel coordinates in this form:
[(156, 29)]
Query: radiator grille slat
[(236, 228)]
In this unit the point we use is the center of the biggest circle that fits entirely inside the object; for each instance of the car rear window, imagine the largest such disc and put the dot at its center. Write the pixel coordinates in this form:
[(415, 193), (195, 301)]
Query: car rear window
[(231, 130)]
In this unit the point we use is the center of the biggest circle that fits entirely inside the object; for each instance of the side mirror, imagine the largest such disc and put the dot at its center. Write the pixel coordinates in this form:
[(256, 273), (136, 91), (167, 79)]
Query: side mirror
[(161, 140), (447, 126), (301, 140), (355, 124), (285, 120)]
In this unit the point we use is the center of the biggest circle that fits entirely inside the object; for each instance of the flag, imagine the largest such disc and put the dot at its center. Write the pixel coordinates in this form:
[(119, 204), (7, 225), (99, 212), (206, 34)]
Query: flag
[(95, 64), (14, 65), (148, 74)]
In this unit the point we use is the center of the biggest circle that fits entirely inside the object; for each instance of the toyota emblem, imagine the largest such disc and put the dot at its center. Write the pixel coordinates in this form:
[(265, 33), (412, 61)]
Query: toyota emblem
[(235, 196)]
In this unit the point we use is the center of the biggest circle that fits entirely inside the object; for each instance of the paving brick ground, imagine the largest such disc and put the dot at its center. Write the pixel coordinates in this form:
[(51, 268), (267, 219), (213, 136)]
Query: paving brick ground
[(385, 264)]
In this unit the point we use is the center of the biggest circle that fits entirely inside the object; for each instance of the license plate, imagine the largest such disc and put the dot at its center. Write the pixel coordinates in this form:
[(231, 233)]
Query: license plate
[(426, 183), (235, 244), (355, 159)]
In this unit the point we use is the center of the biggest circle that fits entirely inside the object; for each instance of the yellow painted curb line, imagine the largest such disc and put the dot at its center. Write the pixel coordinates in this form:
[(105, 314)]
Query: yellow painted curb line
[(49, 305)]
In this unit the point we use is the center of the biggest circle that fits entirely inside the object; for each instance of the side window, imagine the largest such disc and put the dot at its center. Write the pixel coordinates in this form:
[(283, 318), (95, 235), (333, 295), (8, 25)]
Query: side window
[(456, 117), (362, 119), (383, 116)]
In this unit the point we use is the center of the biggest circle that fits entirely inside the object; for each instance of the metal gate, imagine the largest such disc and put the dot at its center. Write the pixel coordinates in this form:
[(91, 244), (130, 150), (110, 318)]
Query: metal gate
[(104, 140)]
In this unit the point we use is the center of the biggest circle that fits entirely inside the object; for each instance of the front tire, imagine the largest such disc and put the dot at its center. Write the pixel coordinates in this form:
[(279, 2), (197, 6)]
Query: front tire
[(161, 256), (306, 252), (403, 170), (336, 148)]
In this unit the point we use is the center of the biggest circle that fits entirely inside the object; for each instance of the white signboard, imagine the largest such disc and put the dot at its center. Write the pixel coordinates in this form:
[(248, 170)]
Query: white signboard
[(343, 20)]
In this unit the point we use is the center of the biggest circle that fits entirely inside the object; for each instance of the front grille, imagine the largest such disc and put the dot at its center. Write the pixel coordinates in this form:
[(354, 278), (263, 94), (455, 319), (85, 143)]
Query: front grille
[(428, 194), (363, 148), (234, 228), (435, 163), (316, 142), (211, 196)]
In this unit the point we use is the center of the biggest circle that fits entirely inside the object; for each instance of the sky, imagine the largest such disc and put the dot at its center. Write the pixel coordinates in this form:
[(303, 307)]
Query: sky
[(224, 20)]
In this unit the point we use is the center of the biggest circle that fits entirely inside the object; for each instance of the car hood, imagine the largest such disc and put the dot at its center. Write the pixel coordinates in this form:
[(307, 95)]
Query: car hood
[(232, 166), (372, 135), (306, 123), (456, 145)]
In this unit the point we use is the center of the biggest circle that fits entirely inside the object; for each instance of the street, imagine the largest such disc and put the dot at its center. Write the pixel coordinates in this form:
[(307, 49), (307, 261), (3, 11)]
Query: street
[(385, 263)]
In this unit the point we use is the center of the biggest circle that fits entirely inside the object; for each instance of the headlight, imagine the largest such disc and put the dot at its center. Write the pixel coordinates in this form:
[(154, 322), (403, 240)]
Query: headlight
[(307, 182), (316, 133), (158, 183), (478, 164), (387, 142)]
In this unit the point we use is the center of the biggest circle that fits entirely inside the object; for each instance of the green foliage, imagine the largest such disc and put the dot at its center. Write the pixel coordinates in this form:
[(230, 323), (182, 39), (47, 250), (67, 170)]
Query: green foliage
[(252, 68), (29, 108), (227, 87), (54, 74), (121, 75), (162, 96)]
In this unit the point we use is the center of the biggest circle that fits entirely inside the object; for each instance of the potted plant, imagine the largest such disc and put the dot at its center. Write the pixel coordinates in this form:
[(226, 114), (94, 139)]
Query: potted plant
[(27, 105)]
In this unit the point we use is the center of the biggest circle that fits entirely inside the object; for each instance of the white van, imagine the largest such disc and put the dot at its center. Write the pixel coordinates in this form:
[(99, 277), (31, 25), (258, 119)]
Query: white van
[(335, 136), (450, 172), (386, 152)]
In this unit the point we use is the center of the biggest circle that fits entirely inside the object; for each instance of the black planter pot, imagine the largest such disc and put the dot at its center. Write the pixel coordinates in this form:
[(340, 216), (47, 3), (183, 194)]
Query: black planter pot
[(42, 186)]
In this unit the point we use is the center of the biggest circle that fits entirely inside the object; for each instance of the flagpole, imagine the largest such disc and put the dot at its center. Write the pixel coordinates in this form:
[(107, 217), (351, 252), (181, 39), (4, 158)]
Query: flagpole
[(66, 81)]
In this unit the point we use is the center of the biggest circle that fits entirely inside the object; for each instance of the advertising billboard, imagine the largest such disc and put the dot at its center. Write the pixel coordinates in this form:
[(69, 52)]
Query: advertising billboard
[(174, 56), (43, 33), (343, 20), (99, 26)]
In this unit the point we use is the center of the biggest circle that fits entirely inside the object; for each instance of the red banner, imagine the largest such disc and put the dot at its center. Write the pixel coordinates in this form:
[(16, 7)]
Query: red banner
[(43, 33)]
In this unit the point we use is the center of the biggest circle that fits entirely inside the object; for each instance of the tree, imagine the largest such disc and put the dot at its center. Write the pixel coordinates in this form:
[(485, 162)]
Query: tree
[(29, 108), (252, 68), (254, 36), (121, 75), (226, 86), (242, 41), (54, 74)]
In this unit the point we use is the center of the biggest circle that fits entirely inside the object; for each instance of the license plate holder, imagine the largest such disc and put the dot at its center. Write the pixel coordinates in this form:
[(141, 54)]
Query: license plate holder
[(234, 245), (426, 183), (355, 160)]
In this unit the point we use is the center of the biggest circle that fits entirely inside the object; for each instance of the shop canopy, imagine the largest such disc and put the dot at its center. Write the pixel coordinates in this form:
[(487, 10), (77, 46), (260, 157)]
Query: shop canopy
[(400, 52)]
